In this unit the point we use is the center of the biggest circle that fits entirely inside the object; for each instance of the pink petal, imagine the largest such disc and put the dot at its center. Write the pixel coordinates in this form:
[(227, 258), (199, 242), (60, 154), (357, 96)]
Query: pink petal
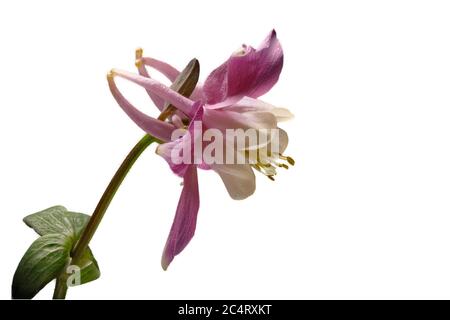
[(184, 223), (215, 88), (159, 102), (259, 122), (239, 179), (223, 119), (168, 149), (159, 129), (185, 143), (179, 101), (171, 73), (251, 73), (166, 69), (247, 104)]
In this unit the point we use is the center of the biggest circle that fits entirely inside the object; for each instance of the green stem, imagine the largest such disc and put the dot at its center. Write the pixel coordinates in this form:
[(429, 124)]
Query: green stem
[(108, 195), (61, 286), (99, 212)]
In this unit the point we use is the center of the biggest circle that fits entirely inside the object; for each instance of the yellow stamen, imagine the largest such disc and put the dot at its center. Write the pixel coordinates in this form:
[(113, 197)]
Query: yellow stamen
[(282, 165), (268, 166), (110, 74), (139, 52), (290, 160)]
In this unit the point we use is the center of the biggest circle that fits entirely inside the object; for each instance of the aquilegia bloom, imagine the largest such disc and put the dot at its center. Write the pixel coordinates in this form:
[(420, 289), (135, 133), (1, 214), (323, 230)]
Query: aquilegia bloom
[(228, 99)]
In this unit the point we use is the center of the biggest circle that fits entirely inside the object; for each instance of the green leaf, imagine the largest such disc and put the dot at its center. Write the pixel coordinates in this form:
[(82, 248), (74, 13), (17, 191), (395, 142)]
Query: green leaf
[(78, 221), (89, 267), (57, 220), (42, 263), (47, 257)]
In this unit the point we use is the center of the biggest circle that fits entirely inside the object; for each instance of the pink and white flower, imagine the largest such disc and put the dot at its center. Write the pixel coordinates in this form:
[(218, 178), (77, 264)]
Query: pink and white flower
[(228, 99)]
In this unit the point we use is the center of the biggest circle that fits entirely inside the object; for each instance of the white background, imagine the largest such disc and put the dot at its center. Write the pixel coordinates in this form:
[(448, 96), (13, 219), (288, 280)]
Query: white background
[(365, 213)]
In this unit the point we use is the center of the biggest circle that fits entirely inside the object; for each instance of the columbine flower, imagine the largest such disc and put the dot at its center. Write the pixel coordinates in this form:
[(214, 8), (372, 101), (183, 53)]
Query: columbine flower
[(227, 100)]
